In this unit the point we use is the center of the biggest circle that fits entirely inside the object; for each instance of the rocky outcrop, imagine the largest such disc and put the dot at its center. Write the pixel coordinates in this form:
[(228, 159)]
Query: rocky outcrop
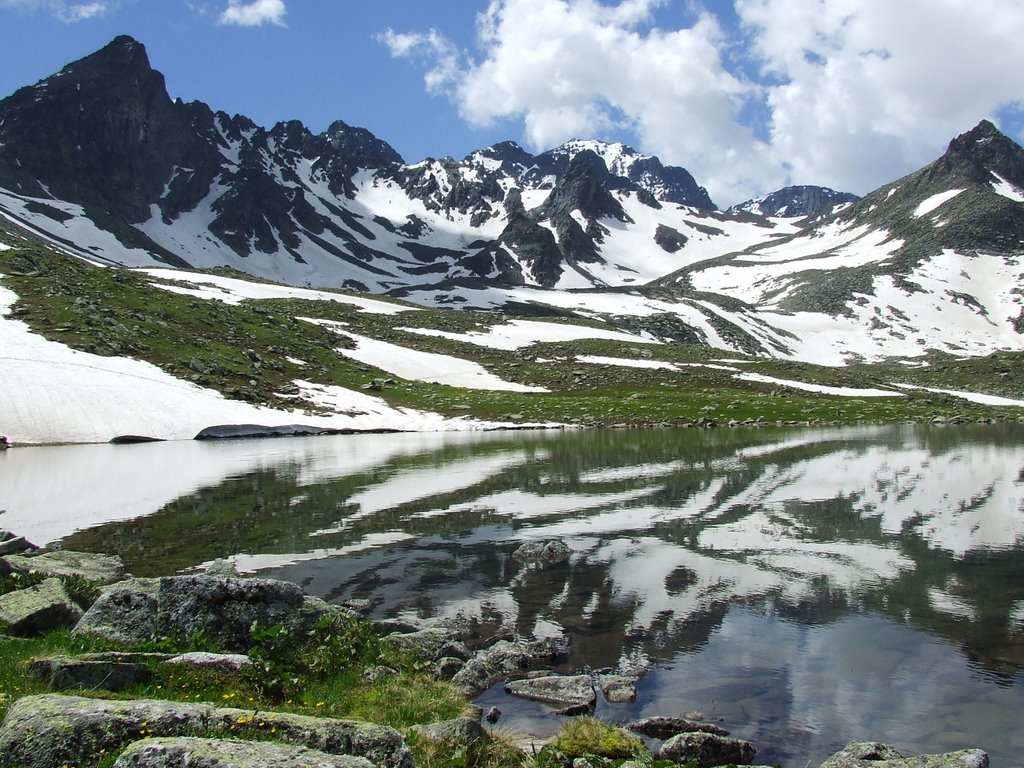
[(221, 608), (48, 730), (506, 658), (37, 609), (705, 750), (217, 753), (432, 644), (865, 754)]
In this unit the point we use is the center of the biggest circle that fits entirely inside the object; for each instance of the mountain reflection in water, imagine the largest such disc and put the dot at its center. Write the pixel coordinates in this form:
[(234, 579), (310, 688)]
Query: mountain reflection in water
[(807, 587)]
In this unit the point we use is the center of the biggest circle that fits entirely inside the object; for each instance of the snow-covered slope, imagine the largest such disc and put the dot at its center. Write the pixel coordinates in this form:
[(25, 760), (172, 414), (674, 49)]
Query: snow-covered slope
[(927, 263)]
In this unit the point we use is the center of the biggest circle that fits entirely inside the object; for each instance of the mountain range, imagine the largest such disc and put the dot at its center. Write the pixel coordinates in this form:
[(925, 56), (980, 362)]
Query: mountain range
[(100, 161)]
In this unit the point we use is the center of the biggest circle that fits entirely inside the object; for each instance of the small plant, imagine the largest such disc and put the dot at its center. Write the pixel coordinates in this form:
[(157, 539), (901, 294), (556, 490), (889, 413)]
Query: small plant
[(588, 736)]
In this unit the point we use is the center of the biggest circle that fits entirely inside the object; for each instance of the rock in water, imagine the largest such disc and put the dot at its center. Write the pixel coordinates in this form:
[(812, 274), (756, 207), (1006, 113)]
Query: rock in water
[(706, 750), (867, 754)]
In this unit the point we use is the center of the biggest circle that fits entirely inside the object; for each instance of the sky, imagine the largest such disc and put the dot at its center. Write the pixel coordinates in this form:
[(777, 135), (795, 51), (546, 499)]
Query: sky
[(748, 95)]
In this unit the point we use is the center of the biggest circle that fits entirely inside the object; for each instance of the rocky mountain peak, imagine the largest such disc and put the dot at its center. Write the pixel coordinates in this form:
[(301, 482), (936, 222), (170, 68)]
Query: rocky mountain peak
[(982, 151), (796, 201)]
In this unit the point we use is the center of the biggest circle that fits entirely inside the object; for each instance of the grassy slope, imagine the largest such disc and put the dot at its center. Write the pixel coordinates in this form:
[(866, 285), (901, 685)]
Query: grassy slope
[(242, 350)]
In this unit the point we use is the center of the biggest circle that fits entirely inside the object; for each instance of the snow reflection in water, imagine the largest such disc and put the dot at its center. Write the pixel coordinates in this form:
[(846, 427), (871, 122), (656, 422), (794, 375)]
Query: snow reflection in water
[(808, 587)]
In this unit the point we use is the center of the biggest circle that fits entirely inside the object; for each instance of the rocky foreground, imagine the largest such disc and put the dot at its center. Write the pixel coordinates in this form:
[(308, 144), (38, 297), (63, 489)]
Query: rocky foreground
[(64, 729)]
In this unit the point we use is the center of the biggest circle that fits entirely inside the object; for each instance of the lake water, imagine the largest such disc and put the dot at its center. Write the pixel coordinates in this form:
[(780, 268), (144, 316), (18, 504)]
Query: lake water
[(802, 588)]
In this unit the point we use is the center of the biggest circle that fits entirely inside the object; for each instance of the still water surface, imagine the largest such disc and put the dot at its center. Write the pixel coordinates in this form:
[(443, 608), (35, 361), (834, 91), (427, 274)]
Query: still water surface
[(803, 588)]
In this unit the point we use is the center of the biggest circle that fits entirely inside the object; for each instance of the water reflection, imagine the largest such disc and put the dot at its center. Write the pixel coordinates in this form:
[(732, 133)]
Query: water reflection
[(809, 587)]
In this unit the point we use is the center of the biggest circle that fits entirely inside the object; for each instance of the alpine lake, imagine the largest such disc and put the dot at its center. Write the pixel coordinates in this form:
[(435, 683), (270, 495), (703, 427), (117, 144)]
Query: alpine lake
[(800, 587)]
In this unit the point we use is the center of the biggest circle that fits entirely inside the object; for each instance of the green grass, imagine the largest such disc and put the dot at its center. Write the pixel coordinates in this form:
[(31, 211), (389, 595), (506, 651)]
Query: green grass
[(244, 351)]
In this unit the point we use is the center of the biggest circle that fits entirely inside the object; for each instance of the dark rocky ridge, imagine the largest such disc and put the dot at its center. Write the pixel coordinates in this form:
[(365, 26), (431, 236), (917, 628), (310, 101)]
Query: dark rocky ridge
[(797, 201), (104, 134)]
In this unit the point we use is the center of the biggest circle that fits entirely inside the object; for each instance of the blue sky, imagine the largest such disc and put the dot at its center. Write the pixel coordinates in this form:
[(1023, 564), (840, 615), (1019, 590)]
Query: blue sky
[(749, 95)]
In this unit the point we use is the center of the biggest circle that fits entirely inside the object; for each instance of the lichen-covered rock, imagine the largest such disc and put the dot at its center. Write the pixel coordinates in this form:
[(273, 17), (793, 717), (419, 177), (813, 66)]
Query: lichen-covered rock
[(661, 727), (41, 608), (618, 689), (231, 662), (220, 608), (125, 613), (558, 690), (461, 730), (185, 752), (508, 658), (432, 644), (52, 729), (380, 744), (706, 749), (14, 545), (63, 672), (542, 552), (105, 569), (867, 754)]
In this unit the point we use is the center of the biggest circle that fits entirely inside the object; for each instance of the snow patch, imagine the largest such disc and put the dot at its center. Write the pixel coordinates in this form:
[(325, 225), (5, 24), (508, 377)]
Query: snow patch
[(1002, 187), (933, 202), (517, 334), (823, 389)]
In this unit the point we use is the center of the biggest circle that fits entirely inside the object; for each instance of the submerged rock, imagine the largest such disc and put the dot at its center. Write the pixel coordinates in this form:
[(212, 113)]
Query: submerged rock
[(866, 754), (542, 552)]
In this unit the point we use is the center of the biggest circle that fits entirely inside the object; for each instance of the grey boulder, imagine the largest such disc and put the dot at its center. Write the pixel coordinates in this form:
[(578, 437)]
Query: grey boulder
[(575, 691), (867, 754), (705, 750), (106, 569), (38, 609)]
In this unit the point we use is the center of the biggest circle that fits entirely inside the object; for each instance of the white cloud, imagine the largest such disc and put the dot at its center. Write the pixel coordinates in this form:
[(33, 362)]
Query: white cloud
[(872, 88), (254, 13), (68, 12), (850, 93)]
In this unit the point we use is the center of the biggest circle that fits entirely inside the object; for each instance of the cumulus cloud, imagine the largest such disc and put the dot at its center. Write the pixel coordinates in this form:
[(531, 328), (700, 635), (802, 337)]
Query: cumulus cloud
[(68, 12), (847, 93), (868, 89), (254, 13)]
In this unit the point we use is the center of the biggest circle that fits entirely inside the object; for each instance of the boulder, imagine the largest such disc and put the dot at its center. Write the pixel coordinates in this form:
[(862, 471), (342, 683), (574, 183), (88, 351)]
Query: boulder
[(567, 691), (383, 746), (432, 644), (229, 662), (63, 672), (188, 752), (14, 545), (221, 608), (542, 552), (105, 569), (618, 689), (461, 730), (51, 729), (667, 727), (506, 658), (704, 750), (866, 754), (38, 609)]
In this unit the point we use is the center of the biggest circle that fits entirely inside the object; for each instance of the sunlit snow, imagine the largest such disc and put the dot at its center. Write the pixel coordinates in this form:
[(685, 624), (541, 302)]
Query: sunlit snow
[(930, 204)]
